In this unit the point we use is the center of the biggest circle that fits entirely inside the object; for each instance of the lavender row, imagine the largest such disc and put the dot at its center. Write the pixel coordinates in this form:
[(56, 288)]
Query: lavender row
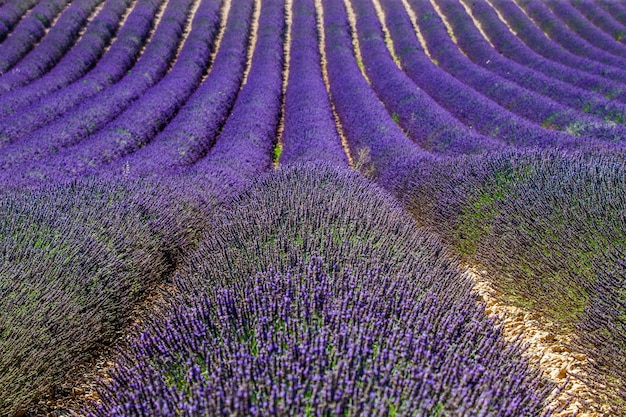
[(28, 32), (11, 13), (556, 30), (511, 47), (570, 16), (310, 132), (465, 103), (282, 311), (110, 68), (615, 10), (141, 121), (74, 64), (474, 45), (192, 132), (378, 146), (535, 38), (539, 109), (70, 276), (53, 46), (428, 124), (601, 19), (96, 112), (244, 148), (548, 229)]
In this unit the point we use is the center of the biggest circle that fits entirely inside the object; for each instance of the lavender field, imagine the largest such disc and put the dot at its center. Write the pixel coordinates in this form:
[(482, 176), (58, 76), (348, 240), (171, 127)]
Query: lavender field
[(312, 208)]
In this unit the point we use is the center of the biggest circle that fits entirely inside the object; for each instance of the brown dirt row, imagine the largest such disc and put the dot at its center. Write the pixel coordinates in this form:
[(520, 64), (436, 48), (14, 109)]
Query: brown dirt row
[(420, 37), (324, 63), (355, 39), (287, 59), (253, 39), (552, 353), (220, 35)]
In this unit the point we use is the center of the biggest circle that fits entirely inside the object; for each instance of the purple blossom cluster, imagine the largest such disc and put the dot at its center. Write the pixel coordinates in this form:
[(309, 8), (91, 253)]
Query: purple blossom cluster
[(577, 23), (615, 10), (53, 46), (194, 129), (30, 29), (310, 132), (113, 65), (377, 144), (508, 93), (356, 312), (602, 19), (512, 47), (466, 104), (556, 30), (153, 107)]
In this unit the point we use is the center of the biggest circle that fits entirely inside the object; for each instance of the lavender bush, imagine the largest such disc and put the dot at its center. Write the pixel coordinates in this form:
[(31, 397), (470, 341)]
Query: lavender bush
[(11, 13), (192, 132), (549, 230), (28, 31), (512, 47), (357, 313), (70, 276)]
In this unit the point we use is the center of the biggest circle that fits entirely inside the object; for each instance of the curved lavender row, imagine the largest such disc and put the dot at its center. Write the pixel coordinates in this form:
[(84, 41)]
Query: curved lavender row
[(427, 123), (557, 31), (28, 32), (614, 9), (141, 121), (193, 131), (11, 13), (355, 313), (243, 150), (475, 46), (110, 68), (535, 38), (310, 132), (52, 47), (83, 56), (601, 19), (462, 101), (379, 147), (510, 95), (570, 16), (97, 111), (511, 47)]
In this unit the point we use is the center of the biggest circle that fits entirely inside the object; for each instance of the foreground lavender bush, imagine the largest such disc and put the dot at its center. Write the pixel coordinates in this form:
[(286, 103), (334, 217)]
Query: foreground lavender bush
[(549, 229), (355, 312), (74, 259)]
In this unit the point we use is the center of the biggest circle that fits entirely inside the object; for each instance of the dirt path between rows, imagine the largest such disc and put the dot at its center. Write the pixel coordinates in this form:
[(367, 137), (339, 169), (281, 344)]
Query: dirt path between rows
[(324, 64), (552, 353)]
